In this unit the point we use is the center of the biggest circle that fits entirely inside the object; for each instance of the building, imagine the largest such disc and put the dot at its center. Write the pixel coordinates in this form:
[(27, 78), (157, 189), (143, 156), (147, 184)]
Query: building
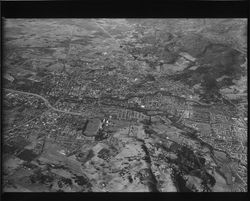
[(9, 77), (187, 56), (35, 78), (93, 127)]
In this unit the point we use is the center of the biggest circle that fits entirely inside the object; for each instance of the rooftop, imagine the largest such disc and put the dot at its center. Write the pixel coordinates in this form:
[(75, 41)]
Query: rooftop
[(92, 127)]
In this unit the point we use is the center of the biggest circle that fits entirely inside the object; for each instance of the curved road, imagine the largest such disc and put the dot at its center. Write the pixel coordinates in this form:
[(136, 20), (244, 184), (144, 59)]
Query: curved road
[(45, 101)]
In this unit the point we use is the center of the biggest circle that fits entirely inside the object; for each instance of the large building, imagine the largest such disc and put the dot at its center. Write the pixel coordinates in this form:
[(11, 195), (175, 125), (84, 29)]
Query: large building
[(93, 127)]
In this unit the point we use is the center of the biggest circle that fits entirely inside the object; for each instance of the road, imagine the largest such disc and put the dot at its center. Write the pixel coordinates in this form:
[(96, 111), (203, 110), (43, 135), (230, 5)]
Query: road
[(75, 113), (104, 30), (45, 101), (26, 122)]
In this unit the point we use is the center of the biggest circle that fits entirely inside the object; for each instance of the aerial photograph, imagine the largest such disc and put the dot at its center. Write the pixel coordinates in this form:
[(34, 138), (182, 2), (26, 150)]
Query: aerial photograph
[(124, 105)]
